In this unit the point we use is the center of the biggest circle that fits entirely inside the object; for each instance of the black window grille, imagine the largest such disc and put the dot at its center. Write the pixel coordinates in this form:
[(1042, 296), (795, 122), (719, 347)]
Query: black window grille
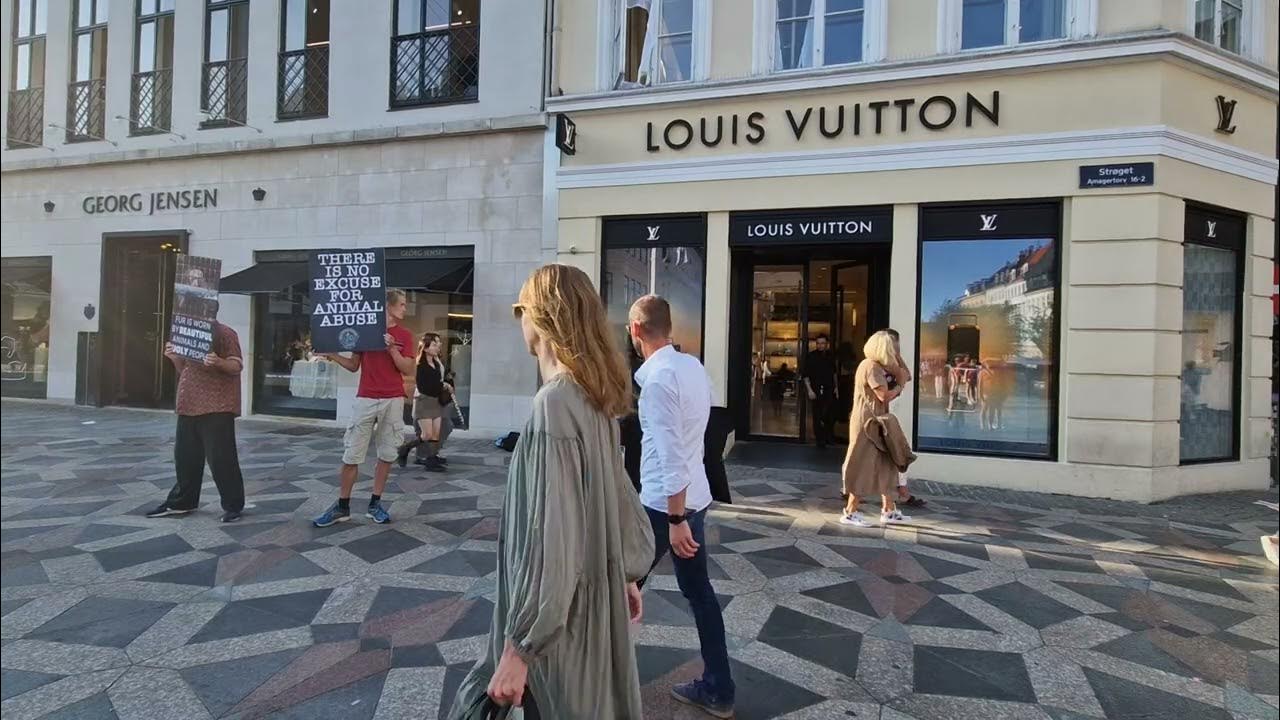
[(435, 52), (25, 121), (151, 92), (302, 89), (224, 81)]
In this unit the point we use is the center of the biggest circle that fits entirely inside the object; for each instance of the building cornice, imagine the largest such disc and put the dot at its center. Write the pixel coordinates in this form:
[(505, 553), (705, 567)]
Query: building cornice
[(1109, 49), (1090, 145), (43, 160)]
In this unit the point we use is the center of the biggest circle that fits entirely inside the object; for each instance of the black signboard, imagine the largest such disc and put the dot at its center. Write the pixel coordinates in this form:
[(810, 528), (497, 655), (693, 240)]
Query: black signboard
[(811, 226), (566, 134), (1210, 226), (1121, 175), (655, 231), (983, 220), (348, 296), (195, 306)]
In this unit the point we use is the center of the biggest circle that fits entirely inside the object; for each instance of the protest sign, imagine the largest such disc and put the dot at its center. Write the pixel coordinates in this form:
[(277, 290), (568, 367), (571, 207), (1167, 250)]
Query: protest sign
[(195, 305), (349, 296)]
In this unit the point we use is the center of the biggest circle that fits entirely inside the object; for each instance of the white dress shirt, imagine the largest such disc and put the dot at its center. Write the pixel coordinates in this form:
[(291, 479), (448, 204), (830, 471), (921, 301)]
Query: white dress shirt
[(675, 403)]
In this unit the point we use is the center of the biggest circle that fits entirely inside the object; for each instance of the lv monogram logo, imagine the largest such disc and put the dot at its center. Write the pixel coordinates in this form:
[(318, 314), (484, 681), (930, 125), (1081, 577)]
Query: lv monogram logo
[(1226, 111), (653, 232), (988, 222), (1211, 227)]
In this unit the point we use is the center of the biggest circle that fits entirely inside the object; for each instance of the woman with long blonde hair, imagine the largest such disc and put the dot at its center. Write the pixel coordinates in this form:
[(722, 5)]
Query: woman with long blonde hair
[(866, 469), (574, 538)]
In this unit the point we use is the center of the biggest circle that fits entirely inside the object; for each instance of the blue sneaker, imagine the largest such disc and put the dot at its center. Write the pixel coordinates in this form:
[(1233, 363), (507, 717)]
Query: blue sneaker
[(331, 516), (696, 694), (378, 514)]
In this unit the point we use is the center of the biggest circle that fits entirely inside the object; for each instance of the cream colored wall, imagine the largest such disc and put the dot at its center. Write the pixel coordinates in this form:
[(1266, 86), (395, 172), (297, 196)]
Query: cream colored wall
[(912, 30), (1188, 102), (1272, 24), (577, 46), (1125, 16), (732, 44), (715, 348)]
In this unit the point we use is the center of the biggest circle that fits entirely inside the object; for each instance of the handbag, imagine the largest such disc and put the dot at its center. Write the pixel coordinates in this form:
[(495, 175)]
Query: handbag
[(484, 708)]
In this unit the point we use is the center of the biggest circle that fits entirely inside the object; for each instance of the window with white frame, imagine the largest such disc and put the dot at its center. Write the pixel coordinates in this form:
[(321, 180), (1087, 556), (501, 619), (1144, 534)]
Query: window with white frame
[(1223, 23), (658, 41), (799, 34), (977, 24)]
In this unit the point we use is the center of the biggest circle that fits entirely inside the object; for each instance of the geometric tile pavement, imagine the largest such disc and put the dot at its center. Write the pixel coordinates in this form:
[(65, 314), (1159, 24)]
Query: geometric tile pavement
[(984, 607)]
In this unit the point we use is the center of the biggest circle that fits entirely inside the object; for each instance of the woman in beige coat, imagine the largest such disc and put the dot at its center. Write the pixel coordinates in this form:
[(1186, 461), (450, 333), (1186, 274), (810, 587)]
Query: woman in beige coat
[(574, 538), (867, 470)]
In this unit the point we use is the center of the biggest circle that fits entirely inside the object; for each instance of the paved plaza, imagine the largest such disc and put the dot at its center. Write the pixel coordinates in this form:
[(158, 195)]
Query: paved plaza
[(989, 606)]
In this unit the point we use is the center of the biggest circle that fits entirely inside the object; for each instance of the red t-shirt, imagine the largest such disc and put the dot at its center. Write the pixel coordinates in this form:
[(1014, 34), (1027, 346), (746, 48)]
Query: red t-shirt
[(379, 376)]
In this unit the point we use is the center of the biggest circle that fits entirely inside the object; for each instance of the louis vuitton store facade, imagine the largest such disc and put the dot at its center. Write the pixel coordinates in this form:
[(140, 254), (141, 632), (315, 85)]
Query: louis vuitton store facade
[(1078, 260)]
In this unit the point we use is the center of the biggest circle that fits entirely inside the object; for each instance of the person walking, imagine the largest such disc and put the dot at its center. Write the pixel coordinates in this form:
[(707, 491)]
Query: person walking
[(675, 405), (208, 403), (867, 471), (377, 415), (574, 539), (434, 396), (820, 384), (899, 379)]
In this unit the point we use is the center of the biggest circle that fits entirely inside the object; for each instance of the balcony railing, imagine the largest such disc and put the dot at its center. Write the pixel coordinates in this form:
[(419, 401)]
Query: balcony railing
[(438, 66), (152, 102), (26, 118), (86, 110), (303, 89), (223, 92)]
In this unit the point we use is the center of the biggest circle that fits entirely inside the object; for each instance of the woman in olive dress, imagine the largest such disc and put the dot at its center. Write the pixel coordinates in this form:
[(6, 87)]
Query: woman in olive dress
[(574, 538)]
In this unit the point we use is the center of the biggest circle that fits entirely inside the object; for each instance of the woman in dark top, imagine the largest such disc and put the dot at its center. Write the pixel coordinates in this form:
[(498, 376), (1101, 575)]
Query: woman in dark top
[(434, 395)]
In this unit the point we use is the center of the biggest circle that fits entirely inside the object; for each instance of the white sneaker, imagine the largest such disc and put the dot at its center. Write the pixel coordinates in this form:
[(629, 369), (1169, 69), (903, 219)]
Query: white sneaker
[(894, 518), (854, 519)]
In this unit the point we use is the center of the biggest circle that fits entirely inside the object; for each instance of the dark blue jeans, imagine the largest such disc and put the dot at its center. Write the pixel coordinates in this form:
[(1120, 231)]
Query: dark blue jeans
[(695, 585)]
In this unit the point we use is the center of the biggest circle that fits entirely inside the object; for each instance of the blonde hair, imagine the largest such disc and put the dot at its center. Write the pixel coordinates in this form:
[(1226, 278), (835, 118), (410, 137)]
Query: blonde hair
[(394, 296), (881, 348), (567, 313)]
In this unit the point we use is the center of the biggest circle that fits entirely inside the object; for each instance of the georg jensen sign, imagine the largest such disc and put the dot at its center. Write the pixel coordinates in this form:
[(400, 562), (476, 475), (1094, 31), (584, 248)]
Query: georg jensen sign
[(934, 113), (151, 203)]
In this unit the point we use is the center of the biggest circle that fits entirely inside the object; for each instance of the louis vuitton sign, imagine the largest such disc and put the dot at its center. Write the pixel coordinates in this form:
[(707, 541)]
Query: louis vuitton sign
[(831, 122)]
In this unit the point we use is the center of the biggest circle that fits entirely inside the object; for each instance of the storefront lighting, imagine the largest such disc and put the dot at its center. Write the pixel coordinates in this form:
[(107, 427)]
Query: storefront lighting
[(461, 316)]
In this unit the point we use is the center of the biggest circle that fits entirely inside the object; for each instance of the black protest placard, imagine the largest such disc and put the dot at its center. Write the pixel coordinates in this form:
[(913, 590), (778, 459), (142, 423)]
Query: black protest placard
[(348, 300), (195, 306)]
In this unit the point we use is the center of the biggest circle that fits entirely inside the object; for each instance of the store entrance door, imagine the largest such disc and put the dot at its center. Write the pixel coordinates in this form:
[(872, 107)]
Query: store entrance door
[(137, 307), (785, 303)]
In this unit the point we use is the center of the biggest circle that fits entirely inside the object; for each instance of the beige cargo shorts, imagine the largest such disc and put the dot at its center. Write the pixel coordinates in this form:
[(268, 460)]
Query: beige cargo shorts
[(378, 419)]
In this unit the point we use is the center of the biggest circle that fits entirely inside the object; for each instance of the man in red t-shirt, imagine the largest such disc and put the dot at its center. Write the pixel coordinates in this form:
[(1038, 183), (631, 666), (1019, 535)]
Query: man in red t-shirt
[(378, 414)]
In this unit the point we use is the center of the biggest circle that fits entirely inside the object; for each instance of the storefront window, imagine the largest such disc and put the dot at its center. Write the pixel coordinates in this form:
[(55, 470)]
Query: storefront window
[(1210, 337), (673, 264), (289, 379), (987, 353), (24, 349)]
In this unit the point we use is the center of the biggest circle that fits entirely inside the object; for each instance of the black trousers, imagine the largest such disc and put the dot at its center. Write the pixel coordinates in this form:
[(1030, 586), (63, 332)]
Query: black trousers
[(208, 439), (824, 406)]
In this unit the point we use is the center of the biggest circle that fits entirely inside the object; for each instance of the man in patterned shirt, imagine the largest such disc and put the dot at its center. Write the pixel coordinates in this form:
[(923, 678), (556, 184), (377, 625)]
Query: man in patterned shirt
[(207, 406)]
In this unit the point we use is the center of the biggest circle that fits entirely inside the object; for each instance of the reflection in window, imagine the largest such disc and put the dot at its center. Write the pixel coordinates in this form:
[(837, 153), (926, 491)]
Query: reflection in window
[(24, 327), (987, 354), (813, 33), (675, 273), (990, 23), (449, 316), (1219, 22), (654, 42), (288, 377), (1209, 294)]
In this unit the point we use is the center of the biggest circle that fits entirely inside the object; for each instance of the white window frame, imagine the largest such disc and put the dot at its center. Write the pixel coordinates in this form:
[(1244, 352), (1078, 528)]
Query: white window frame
[(611, 52), (1081, 22), (1253, 38), (764, 59)]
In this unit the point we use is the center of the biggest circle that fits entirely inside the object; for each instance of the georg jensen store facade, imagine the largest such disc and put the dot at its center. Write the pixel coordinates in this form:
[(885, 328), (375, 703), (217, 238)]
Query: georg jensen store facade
[(1078, 265)]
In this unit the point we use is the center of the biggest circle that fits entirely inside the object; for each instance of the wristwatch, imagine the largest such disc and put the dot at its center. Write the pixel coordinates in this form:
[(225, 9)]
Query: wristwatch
[(676, 519)]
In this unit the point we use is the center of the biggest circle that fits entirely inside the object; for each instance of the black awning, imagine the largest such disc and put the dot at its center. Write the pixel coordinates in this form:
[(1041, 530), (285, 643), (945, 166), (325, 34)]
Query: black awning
[(265, 277), (449, 275)]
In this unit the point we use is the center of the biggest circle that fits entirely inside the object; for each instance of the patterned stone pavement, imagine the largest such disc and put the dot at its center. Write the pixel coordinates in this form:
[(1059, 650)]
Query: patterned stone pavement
[(982, 608)]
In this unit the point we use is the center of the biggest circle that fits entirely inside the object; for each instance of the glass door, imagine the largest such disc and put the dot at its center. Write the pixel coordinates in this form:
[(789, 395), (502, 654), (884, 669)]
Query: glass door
[(777, 341), (849, 296)]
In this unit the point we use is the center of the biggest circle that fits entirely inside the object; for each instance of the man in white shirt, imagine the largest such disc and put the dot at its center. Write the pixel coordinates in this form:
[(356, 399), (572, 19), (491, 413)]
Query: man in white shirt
[(675, 404)]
